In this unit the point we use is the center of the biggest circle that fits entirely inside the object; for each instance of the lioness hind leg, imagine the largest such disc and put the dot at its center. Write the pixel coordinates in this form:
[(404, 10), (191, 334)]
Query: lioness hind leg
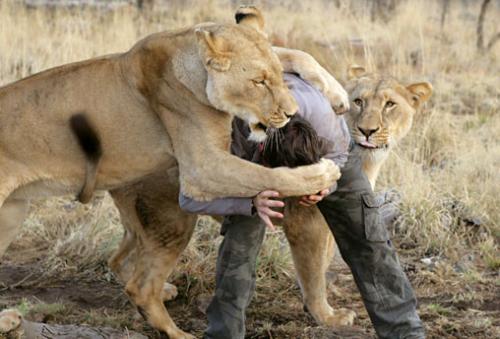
[(123, 266), (162, 230), (12, 215), (117, 260), (125, 200), (153, 264), (311, 244), (145, 288)]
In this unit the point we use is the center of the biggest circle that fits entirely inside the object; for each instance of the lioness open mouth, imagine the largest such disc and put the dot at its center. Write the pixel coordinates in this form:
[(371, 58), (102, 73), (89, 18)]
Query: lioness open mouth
[(261, 126), (258, 127), (258, 132)]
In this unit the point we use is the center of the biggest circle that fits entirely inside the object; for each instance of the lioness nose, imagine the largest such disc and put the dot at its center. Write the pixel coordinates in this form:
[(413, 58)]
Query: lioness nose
[(367, 132), (287, 104)]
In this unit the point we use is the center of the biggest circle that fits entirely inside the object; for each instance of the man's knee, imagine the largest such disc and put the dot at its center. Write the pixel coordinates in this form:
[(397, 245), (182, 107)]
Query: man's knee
[(243, 237), (355, 216), (353, 209)]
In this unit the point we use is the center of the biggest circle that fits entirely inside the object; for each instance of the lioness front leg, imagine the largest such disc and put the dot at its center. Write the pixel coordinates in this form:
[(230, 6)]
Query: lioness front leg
[(207, 169), (311, 244), (240, 178), (117, 261), (302, 63)]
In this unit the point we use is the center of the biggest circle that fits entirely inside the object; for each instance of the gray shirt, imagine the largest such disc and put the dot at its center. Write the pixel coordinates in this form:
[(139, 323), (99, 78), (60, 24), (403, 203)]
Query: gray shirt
[(313, 107)]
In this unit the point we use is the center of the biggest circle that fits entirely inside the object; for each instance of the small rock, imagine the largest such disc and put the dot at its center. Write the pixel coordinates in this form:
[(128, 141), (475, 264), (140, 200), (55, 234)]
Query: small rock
[(426, 261), (430, 262), (472, 221)]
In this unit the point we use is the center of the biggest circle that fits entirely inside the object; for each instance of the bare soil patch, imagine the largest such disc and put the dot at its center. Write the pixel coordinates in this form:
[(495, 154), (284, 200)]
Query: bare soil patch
[(449, 308)]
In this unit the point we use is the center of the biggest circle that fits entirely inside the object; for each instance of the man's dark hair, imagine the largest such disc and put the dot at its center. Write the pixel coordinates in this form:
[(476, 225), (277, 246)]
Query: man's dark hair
[(295, 144)]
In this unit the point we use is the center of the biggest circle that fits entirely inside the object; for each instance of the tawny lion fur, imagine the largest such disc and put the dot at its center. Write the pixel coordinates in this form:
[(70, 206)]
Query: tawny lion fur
[(167, 103), (312, 248), (311, 245), (310, 239), (159, 112)]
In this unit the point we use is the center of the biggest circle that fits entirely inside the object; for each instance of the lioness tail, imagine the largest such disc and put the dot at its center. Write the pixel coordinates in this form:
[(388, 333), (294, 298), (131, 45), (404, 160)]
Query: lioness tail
[(91, 146)]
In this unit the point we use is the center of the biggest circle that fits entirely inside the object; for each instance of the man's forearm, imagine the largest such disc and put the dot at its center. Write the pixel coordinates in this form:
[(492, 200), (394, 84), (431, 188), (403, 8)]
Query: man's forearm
[(222, 206)]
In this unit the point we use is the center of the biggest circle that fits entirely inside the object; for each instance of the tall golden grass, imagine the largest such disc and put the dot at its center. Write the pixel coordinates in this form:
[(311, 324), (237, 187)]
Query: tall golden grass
[(447, 169)]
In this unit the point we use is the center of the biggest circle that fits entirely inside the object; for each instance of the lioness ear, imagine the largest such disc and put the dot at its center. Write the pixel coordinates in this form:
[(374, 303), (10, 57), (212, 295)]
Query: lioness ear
[(212, 51), (420, 91), (355, 71), (250, 16)]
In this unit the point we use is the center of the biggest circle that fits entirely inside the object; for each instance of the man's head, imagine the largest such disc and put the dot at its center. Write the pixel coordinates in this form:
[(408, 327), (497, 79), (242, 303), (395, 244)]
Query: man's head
[(296, 144)]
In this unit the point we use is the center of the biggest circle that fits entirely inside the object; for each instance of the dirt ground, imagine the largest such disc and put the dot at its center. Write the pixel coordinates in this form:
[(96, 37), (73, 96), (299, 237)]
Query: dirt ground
[(448, 235), (450, 308)]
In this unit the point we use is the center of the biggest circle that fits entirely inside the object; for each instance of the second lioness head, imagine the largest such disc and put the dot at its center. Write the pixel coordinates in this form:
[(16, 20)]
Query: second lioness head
[(382, 109)]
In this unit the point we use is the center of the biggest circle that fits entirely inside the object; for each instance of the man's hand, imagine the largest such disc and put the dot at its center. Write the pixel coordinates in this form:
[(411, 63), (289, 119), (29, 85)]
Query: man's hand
[(311, 200), (263, 203)]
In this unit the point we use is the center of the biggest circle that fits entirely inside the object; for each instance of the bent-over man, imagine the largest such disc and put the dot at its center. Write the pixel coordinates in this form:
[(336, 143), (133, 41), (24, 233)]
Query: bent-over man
[(352, 212)]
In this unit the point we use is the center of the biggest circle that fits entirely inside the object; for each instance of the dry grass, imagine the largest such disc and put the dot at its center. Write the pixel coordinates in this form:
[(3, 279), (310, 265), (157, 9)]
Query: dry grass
[(447, 169)]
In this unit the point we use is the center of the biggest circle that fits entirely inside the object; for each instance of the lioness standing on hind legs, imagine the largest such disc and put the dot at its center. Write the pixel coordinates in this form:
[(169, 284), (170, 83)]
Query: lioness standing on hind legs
[(120, 122), (351, 211)]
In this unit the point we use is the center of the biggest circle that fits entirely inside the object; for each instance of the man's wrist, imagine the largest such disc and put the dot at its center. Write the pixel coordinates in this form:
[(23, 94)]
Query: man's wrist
[(254, 209)]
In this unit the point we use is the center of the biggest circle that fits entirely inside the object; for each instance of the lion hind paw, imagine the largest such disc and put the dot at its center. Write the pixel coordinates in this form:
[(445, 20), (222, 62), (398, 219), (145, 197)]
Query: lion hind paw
[(335, 317), (344, 317), (169, 292)]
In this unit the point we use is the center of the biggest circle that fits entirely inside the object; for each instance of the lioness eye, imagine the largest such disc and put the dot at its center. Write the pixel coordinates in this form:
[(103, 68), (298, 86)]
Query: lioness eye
[(358, 102), (390, 104), (259, 82)]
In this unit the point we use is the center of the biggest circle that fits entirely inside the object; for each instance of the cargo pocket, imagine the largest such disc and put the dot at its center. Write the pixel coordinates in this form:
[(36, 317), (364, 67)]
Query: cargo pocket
[(375, 229)]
